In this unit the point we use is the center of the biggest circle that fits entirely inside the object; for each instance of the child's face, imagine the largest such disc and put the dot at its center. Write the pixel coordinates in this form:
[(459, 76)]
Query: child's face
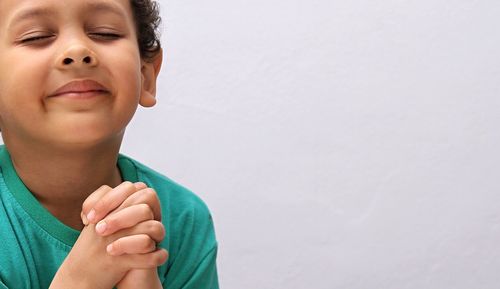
[(47, 44)]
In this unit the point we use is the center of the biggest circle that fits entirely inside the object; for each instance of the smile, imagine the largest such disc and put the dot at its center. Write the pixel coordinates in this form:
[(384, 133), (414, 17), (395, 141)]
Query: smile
[(80, 89)]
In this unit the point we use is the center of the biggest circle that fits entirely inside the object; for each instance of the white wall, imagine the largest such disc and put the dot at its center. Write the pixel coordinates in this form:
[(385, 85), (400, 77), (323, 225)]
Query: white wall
[(339, 144)]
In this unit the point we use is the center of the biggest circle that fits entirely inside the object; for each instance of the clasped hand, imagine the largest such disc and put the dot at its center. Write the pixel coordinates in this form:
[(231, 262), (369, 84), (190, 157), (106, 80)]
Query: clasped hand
[(118, 245)]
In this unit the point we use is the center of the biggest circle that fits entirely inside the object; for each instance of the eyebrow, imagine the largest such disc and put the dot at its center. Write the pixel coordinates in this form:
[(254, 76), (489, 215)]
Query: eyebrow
[(48, 12), (31, 13), (104, 7)]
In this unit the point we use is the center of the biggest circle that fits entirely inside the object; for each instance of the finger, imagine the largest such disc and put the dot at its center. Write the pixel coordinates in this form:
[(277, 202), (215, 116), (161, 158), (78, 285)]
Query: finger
[(135, 244), (144, 196), (84, 218), (131, 278), (91, 200), (154, 229), (110, 201), (146, 261), (125, 218), (140, 185)]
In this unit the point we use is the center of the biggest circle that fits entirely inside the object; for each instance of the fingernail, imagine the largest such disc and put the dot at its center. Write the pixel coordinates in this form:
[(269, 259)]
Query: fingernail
[(100, 227), (109, 249), (84, 220), (91, 215)]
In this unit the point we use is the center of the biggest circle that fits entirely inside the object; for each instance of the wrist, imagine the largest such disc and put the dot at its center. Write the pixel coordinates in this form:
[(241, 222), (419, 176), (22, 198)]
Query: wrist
[(75, 274), (66, 278), (140, 279)]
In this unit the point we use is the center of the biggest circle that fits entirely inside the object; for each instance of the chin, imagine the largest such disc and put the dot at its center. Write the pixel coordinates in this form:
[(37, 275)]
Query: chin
[(87, 141)]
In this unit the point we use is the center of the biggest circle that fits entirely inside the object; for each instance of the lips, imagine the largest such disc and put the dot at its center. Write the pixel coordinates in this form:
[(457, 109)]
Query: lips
[(80, 87)]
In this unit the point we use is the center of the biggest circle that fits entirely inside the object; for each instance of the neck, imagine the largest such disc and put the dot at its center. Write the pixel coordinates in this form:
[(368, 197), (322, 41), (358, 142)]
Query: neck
[(61, 180)]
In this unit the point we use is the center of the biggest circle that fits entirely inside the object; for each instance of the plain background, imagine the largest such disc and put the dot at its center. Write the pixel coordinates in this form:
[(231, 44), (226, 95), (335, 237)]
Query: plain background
[(338, 144)]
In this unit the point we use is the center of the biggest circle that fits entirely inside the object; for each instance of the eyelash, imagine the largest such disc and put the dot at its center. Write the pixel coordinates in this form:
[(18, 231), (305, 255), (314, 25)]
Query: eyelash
[(106, 35), (100, 36), (35, 38)]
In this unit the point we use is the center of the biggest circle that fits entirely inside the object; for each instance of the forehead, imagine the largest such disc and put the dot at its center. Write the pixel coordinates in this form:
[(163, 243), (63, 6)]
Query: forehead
[(17, 10)]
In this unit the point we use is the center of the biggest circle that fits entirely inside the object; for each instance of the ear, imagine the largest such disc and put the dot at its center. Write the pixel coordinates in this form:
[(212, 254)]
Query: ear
[(150, 70)]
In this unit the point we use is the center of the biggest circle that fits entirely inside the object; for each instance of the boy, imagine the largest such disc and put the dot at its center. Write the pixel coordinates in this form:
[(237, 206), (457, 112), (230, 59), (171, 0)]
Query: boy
[(73, 212)]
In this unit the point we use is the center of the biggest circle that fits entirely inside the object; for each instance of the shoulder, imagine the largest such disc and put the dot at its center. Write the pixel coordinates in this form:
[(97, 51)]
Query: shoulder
[(188, 223), (183, 211)]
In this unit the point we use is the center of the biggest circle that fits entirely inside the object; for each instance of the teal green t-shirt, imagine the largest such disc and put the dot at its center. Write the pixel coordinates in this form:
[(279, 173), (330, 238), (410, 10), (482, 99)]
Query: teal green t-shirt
[(34, 243)]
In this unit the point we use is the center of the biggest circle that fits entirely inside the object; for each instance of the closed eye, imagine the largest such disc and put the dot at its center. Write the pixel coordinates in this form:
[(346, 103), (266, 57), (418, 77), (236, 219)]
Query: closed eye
[(105, 35), (38, 38)]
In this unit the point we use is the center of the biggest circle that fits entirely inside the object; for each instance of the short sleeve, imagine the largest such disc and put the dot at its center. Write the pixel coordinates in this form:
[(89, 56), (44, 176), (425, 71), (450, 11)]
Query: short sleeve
[(205, 275), (190, 235), (194, 253)]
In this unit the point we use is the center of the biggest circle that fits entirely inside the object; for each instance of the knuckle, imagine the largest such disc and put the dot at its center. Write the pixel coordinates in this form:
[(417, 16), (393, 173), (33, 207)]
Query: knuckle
[(158, 230), (104, 187), (150, 193), (145, 211), (128, 185), (144, 239), (147, 196), (140, 185), (100, 204), (108, 200), (151, 197)]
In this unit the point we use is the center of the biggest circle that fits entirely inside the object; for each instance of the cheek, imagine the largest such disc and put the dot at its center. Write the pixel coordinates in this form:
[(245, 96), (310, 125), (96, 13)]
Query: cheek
[(23, 75), (125, 67), (125, 71)]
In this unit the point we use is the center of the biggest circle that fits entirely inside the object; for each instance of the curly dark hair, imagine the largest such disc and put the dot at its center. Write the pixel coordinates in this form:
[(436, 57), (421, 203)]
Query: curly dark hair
[(147, 22)]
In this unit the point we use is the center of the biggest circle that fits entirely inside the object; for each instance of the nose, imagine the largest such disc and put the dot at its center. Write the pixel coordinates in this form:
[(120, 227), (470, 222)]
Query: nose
[(77, 56)]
